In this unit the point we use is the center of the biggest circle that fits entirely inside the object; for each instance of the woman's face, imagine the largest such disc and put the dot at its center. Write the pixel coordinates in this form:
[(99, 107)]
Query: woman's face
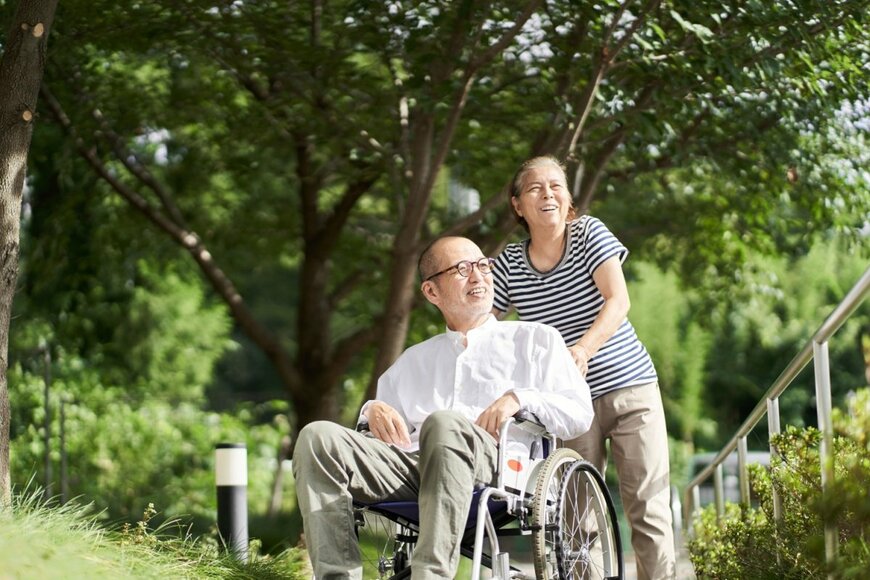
[(544, 199)]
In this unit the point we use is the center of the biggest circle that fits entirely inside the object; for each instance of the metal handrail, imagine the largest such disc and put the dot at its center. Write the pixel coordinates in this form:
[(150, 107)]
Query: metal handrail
[(816, 347)]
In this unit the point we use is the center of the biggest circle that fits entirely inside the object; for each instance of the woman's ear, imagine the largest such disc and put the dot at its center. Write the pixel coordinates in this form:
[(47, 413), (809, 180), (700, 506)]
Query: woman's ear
[(515, 201)]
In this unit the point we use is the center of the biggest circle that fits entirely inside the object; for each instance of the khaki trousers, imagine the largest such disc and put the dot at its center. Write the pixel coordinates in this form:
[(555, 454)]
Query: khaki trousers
[(634, 421), (334, 465)]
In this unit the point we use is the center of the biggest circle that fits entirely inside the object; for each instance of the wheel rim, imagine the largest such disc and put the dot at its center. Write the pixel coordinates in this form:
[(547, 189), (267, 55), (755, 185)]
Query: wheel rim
[(585, 541), (545, 516)]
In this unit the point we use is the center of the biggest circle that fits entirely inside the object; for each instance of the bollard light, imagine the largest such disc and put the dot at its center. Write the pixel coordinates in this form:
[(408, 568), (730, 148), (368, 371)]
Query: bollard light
[(231, 479)]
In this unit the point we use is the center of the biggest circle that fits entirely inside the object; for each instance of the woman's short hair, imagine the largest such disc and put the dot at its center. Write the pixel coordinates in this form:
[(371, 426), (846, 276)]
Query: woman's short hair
[(516, 187)]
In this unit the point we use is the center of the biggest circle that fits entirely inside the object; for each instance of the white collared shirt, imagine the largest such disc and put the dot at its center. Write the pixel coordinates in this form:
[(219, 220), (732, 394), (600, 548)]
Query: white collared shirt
[(527, 358)]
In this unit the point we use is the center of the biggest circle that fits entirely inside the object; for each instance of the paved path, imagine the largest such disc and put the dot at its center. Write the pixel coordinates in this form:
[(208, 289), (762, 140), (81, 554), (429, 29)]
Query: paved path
[(684, 568), (522, 560)]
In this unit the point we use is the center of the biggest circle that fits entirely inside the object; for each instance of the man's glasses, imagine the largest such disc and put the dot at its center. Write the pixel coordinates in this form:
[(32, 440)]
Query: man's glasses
[(464, 268)]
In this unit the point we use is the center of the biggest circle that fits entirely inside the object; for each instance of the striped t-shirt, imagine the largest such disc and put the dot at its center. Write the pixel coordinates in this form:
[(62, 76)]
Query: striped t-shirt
[(566, 298)]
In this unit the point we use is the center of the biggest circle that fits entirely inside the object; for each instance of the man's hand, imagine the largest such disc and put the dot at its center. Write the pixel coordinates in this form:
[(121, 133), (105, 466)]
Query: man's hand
[(386, 424), (493, 416)]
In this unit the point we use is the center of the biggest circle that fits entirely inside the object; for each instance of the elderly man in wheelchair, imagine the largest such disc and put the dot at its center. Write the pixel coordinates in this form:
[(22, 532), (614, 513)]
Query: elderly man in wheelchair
[(444, 458)]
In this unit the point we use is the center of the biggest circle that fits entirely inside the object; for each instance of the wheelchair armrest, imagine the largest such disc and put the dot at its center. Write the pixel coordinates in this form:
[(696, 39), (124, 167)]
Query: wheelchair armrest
[(524, 421), (523, 415)]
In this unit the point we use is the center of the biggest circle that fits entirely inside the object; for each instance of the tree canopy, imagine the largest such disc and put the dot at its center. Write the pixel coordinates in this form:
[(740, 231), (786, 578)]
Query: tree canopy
[(302, 154)]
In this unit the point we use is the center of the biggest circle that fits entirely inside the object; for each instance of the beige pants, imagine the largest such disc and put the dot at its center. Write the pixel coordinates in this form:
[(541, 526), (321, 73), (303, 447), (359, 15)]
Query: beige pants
[(334, 465), (634, 421)]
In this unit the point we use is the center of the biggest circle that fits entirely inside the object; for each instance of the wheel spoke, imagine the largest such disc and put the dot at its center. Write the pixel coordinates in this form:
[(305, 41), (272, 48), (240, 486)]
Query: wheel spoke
[(587, 534), (383, 555)]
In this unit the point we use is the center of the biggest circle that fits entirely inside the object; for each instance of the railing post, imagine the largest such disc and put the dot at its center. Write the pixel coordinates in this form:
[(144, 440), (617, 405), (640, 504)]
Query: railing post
[(773, 429), (742, 472), (694, 506), (719, 493), (823, 409), (676, 514)]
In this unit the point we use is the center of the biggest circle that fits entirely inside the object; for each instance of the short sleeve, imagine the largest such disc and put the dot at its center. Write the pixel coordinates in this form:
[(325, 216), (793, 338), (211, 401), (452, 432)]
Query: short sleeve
[(501, 275), (600, 245)]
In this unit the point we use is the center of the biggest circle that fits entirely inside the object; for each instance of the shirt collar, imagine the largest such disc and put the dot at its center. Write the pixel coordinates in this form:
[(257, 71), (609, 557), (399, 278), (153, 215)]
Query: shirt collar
[(457, 337)]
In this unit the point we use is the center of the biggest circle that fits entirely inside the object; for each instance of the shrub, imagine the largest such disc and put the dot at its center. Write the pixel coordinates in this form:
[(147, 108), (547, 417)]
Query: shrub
[(746, 543)]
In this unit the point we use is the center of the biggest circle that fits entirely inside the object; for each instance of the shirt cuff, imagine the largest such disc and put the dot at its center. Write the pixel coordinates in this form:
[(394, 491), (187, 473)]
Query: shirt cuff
[(529, 399), (362, 419)]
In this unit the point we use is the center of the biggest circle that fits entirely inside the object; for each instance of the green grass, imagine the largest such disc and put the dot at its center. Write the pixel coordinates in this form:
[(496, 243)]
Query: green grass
[(52, 542)]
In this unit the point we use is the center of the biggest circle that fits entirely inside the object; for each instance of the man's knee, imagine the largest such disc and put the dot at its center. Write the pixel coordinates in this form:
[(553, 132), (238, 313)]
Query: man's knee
[(315, 440), (442, 423), (448, 432)]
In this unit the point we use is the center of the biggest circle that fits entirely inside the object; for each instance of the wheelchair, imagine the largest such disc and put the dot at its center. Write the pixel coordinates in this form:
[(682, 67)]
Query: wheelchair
[(546, 493)]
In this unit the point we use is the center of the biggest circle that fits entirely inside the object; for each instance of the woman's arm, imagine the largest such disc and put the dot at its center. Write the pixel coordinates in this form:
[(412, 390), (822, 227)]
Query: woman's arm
[(610, 282)]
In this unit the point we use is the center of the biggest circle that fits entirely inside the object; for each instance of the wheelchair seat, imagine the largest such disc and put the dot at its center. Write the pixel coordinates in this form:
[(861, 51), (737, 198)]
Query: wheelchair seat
[(408, 512)]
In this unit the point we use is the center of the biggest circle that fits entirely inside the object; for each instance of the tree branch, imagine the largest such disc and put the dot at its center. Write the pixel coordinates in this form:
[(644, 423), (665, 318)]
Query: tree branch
[(347, 348), (502, 43), (131, 161), (461, 96), (331, 227), (309, 185), (191, 242), (463, 224), (346, 286), (584, 200), (632, 29)]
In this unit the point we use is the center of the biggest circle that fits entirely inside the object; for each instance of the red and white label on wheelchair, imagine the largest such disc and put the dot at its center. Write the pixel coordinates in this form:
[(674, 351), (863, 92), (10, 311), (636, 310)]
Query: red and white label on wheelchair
[(519, 463)]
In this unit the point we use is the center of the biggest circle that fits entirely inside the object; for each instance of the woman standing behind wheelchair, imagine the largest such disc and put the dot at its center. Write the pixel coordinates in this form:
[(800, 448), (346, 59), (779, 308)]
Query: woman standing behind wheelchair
[(568, 274)]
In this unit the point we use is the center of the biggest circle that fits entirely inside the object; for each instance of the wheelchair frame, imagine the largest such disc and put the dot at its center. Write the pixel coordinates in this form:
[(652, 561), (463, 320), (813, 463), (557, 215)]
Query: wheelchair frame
[(569, 540)]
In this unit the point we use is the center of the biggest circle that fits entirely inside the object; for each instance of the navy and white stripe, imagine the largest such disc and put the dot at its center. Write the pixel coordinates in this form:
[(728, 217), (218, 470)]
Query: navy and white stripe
[(566, 298)]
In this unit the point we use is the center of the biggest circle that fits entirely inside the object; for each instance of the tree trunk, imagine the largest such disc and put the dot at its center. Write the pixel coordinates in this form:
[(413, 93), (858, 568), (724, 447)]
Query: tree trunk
[(398, 312), (21, 70), (400, 299), (319, 402)]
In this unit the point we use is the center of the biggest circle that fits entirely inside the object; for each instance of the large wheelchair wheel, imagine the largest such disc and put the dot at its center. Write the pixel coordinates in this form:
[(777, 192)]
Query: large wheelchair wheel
[(575, 533), (386, 546)]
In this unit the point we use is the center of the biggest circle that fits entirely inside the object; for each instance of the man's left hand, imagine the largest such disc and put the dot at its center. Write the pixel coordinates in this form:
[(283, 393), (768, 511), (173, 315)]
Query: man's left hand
[(493, 416)]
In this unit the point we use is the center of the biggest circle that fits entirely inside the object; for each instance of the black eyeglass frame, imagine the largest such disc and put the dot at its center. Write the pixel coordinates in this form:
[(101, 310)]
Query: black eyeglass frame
[(485, 265)]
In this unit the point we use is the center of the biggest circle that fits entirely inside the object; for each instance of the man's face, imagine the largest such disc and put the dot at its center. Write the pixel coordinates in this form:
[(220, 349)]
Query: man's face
[(462, 300)]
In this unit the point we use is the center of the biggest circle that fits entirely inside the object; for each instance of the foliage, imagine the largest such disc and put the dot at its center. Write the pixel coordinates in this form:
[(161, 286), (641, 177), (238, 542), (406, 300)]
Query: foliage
[(768, 319), (123, 456), (715, 361), (748, 544), (662, 313), (67, 542), (253, 124), (139, 319), (135, 428)]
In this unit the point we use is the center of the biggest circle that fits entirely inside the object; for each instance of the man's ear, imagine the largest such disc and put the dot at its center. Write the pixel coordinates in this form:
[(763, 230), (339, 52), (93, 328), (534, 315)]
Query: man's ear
[(430, 291)]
